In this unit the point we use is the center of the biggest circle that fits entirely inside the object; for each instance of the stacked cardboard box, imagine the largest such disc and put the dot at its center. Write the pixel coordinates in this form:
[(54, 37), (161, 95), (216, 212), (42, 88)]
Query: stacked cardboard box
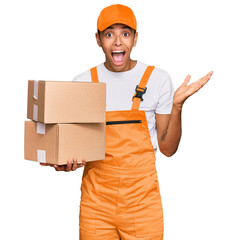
[(68, 121)]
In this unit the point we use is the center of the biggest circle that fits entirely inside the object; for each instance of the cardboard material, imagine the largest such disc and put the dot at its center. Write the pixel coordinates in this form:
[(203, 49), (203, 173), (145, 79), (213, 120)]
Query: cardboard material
[(62, 142), (66, 102)]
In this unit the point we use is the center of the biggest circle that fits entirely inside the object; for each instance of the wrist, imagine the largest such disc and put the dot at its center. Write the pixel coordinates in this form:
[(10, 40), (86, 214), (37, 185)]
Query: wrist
[(177, 108)]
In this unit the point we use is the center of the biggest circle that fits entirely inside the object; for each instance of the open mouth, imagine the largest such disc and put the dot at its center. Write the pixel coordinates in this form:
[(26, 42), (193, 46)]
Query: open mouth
[(118, 57)]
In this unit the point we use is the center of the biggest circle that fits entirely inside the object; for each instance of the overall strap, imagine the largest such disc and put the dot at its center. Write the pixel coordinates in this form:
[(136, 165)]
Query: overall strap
[(141, 88), (94, 74)]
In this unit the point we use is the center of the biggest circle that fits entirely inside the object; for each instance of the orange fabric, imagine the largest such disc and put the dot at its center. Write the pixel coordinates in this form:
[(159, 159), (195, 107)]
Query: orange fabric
[(142, 84), (120, 197), (94, 74), (116, 13)]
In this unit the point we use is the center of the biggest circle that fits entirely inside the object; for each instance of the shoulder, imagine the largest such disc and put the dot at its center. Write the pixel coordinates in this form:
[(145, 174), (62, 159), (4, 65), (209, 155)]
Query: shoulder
[(161, 90), (83, 77), (157, 73), (159, 77), (162, 79)]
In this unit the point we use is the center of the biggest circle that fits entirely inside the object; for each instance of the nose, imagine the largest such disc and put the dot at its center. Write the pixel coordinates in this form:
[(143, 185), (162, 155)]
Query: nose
[(117, 41)]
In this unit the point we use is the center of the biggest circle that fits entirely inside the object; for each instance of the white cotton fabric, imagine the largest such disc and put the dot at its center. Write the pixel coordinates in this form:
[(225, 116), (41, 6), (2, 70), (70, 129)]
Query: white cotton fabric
[(120, 88)]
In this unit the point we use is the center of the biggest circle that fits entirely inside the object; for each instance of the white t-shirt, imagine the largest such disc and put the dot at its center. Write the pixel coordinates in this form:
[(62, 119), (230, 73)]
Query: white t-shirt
[(120, 88)]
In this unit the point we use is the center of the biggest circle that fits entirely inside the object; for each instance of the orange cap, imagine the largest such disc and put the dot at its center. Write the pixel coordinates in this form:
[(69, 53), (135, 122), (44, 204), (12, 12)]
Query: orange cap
[(116, 13)]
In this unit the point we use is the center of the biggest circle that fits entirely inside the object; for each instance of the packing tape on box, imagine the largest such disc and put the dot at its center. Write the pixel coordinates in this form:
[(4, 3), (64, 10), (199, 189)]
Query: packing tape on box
[(35, 112), (35, 90), (41, 156), (40, 128)]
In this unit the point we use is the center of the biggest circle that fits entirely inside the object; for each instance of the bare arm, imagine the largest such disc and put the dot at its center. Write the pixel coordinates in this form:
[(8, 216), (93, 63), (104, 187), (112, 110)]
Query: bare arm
[(168, 132), (169, 126)]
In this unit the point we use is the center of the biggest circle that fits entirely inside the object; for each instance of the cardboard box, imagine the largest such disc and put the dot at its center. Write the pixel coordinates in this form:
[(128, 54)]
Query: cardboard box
[(57, 143), (66, 102)]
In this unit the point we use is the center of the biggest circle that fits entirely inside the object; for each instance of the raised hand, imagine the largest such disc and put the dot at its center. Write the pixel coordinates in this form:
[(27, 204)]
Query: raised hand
[(185, 90)]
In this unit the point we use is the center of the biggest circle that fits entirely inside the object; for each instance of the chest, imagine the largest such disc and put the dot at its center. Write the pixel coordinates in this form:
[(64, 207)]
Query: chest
[(119, 96)]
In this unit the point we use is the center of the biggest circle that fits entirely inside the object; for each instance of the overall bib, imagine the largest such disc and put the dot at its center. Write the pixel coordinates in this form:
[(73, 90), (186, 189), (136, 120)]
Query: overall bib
[(120, 196)]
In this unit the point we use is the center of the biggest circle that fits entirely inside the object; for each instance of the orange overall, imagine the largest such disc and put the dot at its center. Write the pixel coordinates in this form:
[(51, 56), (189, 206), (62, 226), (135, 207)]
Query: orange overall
[(120, 197)]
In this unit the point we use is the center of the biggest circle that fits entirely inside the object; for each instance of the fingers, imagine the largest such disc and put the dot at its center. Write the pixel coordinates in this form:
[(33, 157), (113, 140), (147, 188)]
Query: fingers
[(74, 165), (70, 166), (59, 168), (44, 164), (186, 80), (205, 79), (201, 82), (209, 75), (84, 161), (185, 90), (194, 87), (82, 164)]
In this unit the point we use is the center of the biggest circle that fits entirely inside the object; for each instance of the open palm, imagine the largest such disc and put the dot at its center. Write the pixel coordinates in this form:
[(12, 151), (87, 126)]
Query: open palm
[(185, 90)]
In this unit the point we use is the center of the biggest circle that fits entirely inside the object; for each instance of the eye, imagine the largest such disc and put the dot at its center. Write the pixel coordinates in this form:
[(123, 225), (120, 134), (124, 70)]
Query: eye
[(109, 34), (125, 34)]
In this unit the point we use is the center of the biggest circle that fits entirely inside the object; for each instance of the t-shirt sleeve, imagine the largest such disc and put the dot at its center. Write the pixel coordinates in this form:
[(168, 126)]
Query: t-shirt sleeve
[(83, 77), (165, 101)]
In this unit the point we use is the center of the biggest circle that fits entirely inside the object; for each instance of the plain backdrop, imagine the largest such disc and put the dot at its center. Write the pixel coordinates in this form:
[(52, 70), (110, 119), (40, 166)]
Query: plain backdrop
[(54, 40)]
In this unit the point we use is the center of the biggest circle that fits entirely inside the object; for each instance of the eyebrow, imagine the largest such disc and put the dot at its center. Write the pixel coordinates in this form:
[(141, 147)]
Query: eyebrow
[(124, 27)]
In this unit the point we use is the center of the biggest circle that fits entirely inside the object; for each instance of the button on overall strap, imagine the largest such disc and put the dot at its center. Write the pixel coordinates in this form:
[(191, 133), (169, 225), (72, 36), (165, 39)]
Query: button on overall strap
[(141, 88)]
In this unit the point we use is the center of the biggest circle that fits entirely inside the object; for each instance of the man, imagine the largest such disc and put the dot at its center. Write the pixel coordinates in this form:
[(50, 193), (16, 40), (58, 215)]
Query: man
[(120, 195)]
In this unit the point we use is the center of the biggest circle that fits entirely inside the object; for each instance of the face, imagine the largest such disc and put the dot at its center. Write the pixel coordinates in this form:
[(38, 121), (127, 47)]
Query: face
[(117, 42)]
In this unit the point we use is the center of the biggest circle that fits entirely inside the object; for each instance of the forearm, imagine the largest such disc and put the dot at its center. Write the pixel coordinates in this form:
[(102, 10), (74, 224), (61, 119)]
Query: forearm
[(170, 138)]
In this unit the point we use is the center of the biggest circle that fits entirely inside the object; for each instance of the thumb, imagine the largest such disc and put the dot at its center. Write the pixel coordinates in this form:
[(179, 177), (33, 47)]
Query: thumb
[(186, 80), (84, 161)]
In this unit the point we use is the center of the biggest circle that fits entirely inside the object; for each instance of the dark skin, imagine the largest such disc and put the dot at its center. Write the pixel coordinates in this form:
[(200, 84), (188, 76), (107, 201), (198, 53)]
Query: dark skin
[(71, 165), (121, 37), (117, 37), (169, 125)]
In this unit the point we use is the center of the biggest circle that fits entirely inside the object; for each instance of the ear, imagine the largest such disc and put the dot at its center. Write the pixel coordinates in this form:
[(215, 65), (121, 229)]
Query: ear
[(135, 39), (98, 39)]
